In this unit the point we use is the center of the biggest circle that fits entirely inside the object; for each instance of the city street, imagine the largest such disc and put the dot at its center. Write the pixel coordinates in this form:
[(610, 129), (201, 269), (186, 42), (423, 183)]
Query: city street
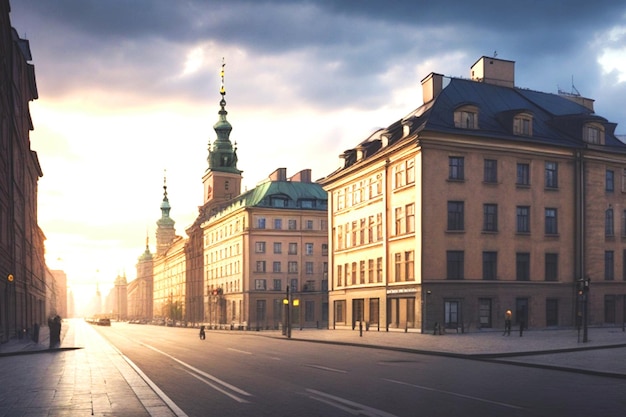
[(246, 374)]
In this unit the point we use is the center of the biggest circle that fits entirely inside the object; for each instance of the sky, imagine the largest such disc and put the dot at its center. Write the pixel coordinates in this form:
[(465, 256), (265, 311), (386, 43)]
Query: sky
[(129, 94)]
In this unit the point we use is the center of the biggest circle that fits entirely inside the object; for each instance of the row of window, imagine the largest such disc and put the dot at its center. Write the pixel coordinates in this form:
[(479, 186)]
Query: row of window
[(455, 266), (292, 267), (360, 232), (362, 191), (466, 117), (456, 218), (260, 247), (292, 224), (456, 172), (260, 284)]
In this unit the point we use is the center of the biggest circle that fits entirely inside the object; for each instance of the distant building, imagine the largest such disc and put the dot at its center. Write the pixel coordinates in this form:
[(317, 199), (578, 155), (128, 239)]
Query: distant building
[(59, 284), (486, 198), (22, 264), (140, 290)]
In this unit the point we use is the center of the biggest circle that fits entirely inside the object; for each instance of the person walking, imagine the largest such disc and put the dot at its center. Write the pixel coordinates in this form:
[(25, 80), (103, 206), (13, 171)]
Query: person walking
[(507, 323), (202, 333)]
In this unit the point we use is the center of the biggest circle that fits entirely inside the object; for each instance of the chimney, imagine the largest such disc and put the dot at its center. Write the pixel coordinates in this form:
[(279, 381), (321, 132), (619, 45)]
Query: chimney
[(494, 71), (302, 176), (432, 85), (279, 175)]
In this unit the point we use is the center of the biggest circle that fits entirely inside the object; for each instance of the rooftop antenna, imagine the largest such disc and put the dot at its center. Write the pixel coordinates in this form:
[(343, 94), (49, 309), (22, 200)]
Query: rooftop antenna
[(575, 91)]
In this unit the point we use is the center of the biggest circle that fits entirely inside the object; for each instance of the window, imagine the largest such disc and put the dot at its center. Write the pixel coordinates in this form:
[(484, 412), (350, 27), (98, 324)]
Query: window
[(624, 180), (278, 224), (309, 225), (523, 125), (278, 202), (490, 171), (399, 221), (399, 175), (490, 217), (454, 264), (292, 224), (552, 175), (362, 272), (260, 285), (552, 267), (410, 171), (466, 117), (278, 247), (370, 271), (308, 249), (293, 249), (484, 312), (260, 266), (260, 223), (523, 219), (609, 183), (455, 215), (409, 263), (456, 170), (308, 267), (306, 203), (609, 265), (276, 266), (490, 266), (293, 282), (339, 276), (379, 269), (523, 174), (608, 222), (259, 247), (324, 249), (522, 266), (277, 285), (594, 134), (292, 267), (551, 221), (410, 218)]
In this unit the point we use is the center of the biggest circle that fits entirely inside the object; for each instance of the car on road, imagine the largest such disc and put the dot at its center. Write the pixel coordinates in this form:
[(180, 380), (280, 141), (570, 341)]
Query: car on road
[(104, 322)]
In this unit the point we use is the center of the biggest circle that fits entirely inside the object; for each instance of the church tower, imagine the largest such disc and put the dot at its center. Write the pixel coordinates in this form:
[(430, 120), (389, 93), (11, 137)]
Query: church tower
[(222, 179), (165, 232)]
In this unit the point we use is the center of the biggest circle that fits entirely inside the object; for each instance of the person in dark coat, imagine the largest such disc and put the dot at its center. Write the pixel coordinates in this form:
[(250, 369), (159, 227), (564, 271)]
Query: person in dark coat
[(55, 331), (202, 333)]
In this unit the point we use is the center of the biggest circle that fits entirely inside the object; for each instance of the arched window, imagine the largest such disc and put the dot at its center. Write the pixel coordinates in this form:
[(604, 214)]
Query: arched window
[(466, 117)]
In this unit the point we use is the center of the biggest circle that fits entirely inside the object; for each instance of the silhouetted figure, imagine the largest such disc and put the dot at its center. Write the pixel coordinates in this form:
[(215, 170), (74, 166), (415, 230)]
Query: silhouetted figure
[(54, 324), (521, 328), (507, 323), (202, 333)]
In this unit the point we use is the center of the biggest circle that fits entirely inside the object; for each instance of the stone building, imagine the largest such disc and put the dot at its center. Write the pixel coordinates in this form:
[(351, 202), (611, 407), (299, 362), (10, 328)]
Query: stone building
[(22, 265), (488, 197), (140, 293)]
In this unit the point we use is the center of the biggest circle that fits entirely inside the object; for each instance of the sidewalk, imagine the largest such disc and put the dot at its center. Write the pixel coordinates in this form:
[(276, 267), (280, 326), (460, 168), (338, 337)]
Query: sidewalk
[(85, 377)]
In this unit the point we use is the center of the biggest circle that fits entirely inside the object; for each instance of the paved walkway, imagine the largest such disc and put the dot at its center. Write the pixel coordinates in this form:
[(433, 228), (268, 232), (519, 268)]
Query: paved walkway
[(87, 376), (93, 380)]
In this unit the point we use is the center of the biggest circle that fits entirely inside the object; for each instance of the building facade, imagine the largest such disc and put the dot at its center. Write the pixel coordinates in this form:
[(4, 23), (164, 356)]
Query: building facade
[(140, 293), (268, 245), (484, 199), (22, 265)]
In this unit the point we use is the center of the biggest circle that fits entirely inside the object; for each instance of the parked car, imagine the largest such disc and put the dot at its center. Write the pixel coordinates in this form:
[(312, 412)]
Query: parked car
[(104, 322)]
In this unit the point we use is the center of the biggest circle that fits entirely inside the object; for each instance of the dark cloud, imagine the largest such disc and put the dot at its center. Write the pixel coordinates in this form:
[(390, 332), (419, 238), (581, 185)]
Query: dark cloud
[(337, 51)]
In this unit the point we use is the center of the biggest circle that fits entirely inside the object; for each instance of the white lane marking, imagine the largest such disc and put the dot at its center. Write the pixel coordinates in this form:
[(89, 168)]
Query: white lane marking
[(200, 372), (351, 407), (456, 394), (215, 387), (325, 368), (240, 351)]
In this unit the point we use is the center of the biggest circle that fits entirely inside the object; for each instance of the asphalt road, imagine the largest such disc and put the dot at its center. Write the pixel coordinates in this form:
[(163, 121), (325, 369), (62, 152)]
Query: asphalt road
[(242, 374)]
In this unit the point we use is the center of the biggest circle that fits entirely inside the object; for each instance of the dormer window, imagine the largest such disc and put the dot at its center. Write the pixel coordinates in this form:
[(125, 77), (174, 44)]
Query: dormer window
[(593, 133), (466, 117), (523, 125)]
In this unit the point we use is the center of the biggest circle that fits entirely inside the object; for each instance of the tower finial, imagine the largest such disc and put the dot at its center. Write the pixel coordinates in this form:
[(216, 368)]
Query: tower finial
[(223, 87), (164, 184)]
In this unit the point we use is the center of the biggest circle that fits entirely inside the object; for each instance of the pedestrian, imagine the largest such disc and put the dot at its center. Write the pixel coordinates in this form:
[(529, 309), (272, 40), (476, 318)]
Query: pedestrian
[(202, 333), (507, 323), (521, 328)]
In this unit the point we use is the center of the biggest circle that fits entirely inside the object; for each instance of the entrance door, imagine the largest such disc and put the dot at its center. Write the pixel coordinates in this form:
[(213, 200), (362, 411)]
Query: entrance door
[(358, 306), (451, 314)]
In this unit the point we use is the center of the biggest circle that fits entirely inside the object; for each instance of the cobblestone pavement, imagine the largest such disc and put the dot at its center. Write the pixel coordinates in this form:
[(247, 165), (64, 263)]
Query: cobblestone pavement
[(87, 376)]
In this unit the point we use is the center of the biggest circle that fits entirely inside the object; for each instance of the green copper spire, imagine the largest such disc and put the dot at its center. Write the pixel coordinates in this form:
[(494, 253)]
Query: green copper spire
[(222, 155), (165, 219)]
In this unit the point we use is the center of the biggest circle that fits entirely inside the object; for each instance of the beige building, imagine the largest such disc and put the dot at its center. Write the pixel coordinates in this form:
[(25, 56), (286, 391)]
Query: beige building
[(140, 293), (268, 241), (486, 198)]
